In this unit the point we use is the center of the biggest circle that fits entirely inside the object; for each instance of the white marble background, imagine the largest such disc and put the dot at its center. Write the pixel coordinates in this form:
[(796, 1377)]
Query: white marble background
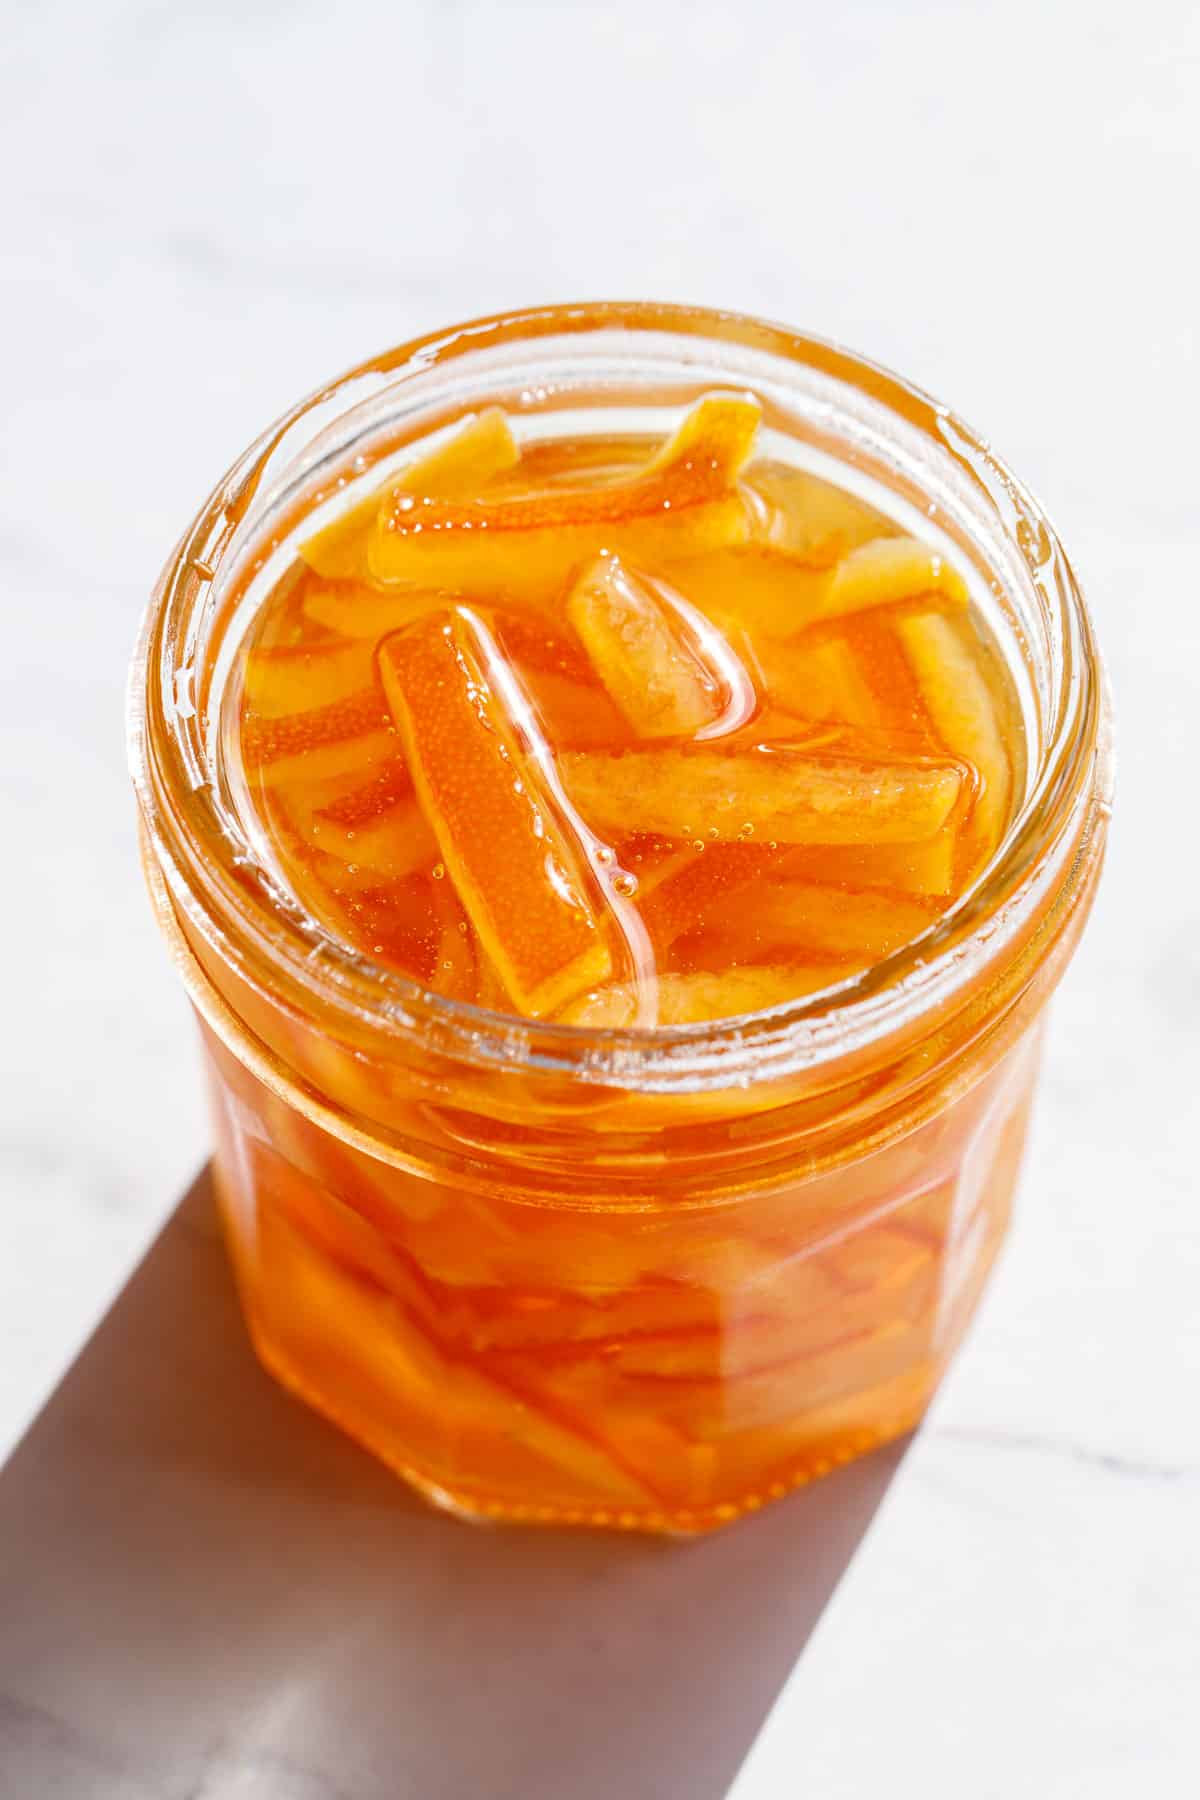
[(207, 209)]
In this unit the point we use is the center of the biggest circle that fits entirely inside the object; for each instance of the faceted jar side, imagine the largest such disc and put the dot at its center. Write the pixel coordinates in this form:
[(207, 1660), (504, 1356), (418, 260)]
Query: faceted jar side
[(668, 1372)]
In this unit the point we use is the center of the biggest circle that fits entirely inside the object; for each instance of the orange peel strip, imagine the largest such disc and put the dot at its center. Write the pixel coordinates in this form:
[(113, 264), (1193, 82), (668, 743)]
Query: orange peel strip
[(780, 794), (390, 1361), (481, 449), (963, 711), (816, 680), (365, 804), (812, 520), (775, 595), (693, 998), (748, 588), (356, 611), (316, 745), (519, 873), (685, 499), (888, 571), (396, 844), (922, 869), (797, 918), (300, 678), (643, 652), (717, 431), (677, 896)]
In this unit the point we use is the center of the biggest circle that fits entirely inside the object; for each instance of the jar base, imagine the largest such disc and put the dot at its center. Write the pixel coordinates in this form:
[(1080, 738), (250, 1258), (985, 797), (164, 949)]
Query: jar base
[(476, 1507)]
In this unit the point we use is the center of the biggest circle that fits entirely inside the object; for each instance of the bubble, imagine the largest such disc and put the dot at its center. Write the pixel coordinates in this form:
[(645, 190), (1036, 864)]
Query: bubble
[(438, 871), (625, 885)]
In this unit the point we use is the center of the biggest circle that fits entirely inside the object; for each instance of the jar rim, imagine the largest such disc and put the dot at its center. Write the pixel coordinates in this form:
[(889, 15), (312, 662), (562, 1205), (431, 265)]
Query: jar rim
[(1039, 868)]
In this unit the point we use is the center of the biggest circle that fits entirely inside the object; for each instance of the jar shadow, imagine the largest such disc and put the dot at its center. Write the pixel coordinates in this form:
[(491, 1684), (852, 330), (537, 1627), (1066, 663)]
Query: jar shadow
[(208, 1591)]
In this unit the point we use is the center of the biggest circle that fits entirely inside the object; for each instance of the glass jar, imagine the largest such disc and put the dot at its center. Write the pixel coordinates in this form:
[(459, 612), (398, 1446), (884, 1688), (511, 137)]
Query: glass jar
[(644, 1279)]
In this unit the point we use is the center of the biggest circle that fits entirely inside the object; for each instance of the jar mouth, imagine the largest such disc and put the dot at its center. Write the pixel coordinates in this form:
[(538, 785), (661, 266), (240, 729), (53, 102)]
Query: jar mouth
[(866, 419)]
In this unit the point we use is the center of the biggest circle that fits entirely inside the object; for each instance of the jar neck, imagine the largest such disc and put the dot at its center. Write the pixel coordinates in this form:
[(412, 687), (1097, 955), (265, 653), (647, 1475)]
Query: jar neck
[(584, 362)]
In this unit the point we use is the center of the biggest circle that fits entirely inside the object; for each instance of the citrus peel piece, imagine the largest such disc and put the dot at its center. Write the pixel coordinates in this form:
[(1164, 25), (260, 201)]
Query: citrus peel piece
[(318, 743), (964, 715), (355, 610), (685, 499), (772, 793), (812, 520), (519, 870), (643, 652), (482, 448), (702, 995)]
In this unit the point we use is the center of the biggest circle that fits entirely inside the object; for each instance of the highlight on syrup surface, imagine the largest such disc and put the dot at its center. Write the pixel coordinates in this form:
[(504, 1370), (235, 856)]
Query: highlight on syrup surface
[(623, 731)]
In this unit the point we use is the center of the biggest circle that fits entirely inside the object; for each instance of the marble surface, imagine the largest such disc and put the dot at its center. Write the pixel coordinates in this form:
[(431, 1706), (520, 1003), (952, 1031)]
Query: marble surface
[(208, 209)]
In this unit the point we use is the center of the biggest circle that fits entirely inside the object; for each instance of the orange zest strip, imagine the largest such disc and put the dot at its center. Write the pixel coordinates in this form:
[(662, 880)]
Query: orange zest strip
[(643, 653), (316, 745), (813, 521), (772, 792), (533, 642), (301, 678), (350, 1304), (888, 571), (397, 842), (520, 874), (482, 448), (716, 434), (774, 596), (798, 919), (921, 869), (572, 716), (678, 895), (816, 678), (455, 973), (685, 499), (963, 712), (691, 999), (573, 712), (363, 805), (355, 610), (748, 590), (266, 740)]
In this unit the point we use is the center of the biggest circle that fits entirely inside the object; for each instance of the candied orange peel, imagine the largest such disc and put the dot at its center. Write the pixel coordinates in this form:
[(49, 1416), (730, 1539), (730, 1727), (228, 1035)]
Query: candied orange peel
[(520, 872), (812, 520), (702, 995), (685, 498), (299, 678), (775, 598), (481, 448), (319, 742), (643, 652), (357, 611), (963, 710), (787, 919), (771, 792), (887, 571)]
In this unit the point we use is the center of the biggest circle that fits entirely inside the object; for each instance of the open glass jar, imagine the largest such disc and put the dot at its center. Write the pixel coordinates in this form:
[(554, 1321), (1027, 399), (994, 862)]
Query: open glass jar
[(638, 1278)]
